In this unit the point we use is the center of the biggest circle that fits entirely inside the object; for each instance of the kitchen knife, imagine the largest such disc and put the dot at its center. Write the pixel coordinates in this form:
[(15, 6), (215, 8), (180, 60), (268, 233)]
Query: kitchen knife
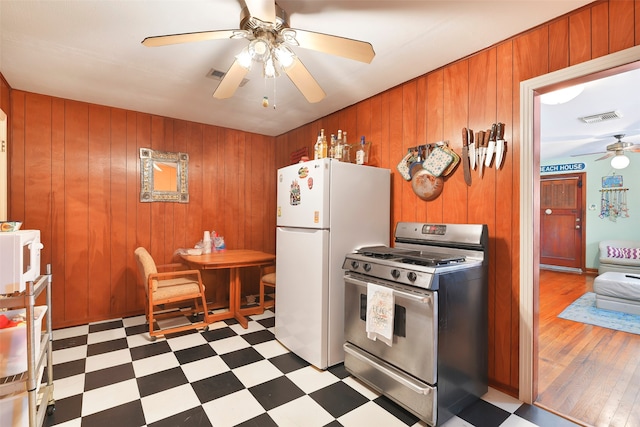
[(491, 146), (479, 140), (499, 145), (472, 149), (483, 151), (465, 156)]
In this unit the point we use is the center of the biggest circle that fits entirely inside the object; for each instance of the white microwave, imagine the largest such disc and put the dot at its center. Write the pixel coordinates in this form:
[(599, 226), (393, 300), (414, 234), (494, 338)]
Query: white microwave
[(19, 259)]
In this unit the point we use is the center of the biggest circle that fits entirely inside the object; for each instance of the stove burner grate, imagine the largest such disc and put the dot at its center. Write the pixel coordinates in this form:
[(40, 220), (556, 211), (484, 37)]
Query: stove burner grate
[(384, 252), (408, 256), (430, 262)]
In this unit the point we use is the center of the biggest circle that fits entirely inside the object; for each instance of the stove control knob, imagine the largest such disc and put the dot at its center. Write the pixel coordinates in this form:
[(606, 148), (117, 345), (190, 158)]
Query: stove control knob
[(367, 267), (355, 265), (395, 273), (412, 276)]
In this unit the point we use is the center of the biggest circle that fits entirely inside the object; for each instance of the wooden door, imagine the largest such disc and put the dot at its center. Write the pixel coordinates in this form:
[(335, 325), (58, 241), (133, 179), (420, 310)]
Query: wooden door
[(561, 220)]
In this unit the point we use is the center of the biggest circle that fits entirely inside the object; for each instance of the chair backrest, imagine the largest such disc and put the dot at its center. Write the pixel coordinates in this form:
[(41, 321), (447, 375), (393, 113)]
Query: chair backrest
[(146, 266)]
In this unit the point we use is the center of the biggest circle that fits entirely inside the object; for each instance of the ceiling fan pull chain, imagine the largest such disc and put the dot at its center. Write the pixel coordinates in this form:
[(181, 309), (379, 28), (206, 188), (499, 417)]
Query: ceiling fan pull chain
[(274, 94), (265, 99)]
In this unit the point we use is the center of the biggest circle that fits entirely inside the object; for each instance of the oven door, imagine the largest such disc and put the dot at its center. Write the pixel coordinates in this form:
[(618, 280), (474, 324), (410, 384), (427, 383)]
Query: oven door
[(415, 338)]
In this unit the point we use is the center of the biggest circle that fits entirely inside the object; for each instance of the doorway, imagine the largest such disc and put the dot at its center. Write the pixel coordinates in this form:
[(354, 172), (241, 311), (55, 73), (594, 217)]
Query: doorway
[(562, 205), (529, 196)]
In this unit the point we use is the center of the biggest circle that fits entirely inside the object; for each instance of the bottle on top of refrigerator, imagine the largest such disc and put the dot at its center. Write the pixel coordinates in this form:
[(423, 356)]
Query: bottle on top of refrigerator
[(317, 148), (346, 149), (360, 154), (338, 152), (332, 146), (323, 146)]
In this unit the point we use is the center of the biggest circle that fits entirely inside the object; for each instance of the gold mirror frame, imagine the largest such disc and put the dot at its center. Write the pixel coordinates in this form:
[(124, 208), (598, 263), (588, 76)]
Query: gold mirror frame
[(148, 159)]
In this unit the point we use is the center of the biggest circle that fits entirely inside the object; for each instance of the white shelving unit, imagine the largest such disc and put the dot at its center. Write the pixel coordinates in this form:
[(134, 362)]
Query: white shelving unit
[(40, 396)]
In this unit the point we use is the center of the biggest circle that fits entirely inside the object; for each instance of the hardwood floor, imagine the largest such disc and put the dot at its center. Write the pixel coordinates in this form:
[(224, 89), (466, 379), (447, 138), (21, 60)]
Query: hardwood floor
[(587, 373)]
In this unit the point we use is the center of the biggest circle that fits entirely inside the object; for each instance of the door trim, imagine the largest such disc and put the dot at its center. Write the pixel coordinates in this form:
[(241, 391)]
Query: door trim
[(4, 166), (529, 190)]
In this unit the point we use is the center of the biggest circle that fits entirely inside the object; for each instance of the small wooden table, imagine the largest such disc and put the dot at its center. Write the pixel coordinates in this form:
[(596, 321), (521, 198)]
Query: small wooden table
[(234, 260)]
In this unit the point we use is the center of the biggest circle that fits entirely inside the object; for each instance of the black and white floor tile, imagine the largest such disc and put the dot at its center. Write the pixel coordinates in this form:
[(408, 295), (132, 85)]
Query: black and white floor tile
[(110, 374)]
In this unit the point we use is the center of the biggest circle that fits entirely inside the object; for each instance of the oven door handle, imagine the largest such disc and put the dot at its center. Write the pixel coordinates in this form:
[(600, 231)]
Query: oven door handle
[(388, 370), (422, 299)]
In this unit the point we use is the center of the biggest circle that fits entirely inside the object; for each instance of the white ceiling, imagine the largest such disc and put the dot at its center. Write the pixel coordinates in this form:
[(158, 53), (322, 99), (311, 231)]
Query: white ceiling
[(562, 133), (91, 51)]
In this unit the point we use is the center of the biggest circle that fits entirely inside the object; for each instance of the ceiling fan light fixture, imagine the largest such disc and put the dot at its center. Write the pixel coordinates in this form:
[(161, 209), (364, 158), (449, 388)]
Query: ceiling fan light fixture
[(270, 68), (244, 59), (289, 36), (620, 161), (240, 34), (284, 55), (259, 49)]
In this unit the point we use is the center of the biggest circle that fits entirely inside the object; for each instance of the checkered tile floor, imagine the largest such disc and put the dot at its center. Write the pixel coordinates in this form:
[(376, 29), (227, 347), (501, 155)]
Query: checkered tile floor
[(110, 374)]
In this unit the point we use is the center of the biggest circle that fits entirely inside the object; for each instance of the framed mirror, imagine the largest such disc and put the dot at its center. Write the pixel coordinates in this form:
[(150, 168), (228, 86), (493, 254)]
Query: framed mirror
[(163, 176)]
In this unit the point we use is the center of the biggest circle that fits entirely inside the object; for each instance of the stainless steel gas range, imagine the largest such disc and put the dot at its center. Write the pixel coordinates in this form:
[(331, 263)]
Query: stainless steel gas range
[(435, 363)]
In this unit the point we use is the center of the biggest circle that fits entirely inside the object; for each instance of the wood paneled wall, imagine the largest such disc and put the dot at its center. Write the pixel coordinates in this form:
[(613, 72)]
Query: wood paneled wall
[(75, 175), (74, 171), (476, 92)]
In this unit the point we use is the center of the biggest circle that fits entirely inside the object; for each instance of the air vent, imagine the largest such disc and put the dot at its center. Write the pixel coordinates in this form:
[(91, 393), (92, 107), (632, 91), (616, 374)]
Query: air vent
[(216, 74), (219, 75), (602, 117)]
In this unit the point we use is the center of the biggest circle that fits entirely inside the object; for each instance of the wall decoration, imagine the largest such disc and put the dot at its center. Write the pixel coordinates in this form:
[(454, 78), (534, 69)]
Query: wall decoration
[(163, 176), (613, 204), (612, 181)]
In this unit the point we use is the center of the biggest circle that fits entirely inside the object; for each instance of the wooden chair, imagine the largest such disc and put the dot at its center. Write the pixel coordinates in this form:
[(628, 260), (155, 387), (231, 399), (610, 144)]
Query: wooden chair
[(267, 279), (170, 288)]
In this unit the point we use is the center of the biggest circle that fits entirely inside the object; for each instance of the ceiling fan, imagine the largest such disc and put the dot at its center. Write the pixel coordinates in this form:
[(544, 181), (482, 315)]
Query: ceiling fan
[(266, 26), (616, 150)]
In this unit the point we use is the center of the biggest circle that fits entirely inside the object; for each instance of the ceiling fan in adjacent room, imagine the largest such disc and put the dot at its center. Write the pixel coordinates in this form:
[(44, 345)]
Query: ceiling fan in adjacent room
[(266, 26), (616, 151)]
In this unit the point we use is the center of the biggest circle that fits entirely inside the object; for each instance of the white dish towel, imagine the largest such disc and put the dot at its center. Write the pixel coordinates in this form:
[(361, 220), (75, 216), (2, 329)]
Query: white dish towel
[(380, 308)]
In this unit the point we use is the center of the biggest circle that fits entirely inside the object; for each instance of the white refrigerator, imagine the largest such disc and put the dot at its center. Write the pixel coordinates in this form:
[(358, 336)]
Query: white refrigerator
[(325, 210)]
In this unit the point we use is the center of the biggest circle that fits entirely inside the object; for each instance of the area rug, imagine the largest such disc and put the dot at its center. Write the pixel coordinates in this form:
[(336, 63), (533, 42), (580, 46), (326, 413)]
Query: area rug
[(584, 310)]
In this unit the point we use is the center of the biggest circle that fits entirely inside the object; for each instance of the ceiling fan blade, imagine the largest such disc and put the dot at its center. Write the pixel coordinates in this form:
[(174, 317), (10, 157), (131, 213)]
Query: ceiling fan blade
[(606, 156), (264, 10), (586, 154), (334, 45), (304, 81), (187, 37), (635, 148), (230, 81)]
